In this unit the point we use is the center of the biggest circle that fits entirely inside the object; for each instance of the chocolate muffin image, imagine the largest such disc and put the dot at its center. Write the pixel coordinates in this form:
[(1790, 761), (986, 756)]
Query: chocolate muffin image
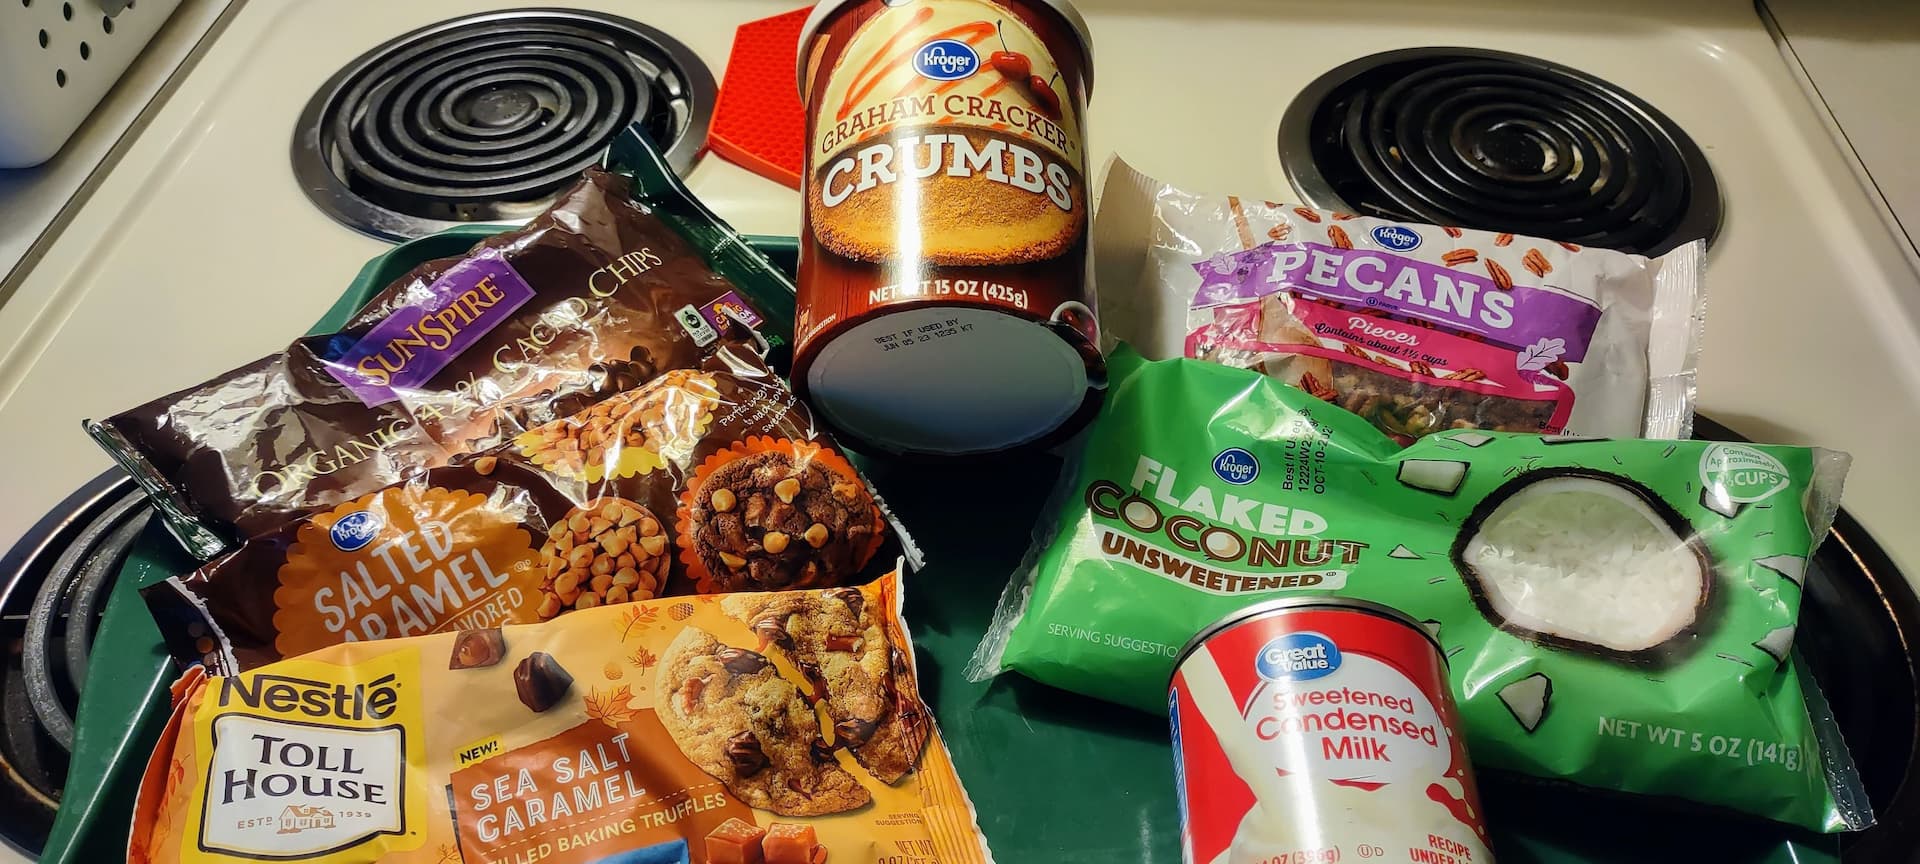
[(772, 520)]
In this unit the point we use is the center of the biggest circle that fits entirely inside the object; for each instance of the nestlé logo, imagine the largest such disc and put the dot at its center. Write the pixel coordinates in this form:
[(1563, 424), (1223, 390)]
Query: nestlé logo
[(1397, 238), (945, 60), (355, 530), (285, 694), (1298, 657)]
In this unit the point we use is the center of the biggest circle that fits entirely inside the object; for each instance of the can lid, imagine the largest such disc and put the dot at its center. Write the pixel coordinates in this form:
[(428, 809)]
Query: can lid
[(1320, 601), (983, 380), (825, 8)]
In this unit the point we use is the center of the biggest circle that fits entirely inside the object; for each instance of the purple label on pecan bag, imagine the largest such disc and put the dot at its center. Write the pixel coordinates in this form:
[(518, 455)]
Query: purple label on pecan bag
[(1460, 301), (417, 341)]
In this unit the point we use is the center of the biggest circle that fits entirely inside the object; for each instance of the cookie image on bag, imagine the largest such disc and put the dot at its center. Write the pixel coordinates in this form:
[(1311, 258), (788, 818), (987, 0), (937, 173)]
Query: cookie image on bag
[(733, 715), (867, 685), (770, 514)]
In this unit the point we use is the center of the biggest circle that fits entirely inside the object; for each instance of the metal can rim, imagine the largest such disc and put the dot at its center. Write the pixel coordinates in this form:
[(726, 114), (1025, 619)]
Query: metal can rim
[(1281, 604), (826, 8)]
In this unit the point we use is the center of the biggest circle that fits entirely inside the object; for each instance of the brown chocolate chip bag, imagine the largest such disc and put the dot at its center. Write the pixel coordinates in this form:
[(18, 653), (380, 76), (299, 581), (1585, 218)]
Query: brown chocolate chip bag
[(678, 729), (703, 480), (624, 278)]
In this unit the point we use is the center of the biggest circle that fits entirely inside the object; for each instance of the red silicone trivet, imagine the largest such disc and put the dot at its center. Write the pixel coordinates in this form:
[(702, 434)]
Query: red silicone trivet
[(758, 122)]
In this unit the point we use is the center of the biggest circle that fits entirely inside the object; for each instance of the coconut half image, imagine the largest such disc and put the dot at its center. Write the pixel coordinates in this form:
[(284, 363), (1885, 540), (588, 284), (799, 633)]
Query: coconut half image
[(1585, 560)]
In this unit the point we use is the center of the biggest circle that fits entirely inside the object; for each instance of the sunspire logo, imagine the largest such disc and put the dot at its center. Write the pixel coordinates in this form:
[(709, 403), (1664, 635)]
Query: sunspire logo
[(414, 342)]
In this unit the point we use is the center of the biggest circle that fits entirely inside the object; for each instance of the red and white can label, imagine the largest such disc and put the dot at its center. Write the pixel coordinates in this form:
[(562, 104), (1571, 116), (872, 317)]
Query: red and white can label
[(1321, 734)]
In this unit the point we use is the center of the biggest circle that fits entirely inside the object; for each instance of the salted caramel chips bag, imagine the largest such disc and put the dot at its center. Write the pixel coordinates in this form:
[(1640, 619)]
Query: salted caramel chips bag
[(707, 480), (670, 730)]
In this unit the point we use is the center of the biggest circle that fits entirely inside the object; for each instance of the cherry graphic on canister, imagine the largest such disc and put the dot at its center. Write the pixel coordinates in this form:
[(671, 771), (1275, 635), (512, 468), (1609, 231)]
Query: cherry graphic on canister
[(1043, 95), (1007, 61)]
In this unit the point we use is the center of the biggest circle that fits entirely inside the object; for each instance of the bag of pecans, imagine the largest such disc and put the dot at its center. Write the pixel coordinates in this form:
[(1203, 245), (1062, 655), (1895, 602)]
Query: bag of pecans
[(624, 278), (704, 480), (1417, 328), (670, 730)]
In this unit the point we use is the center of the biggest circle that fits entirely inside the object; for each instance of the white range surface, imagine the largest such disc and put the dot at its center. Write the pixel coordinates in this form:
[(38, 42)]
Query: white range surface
[(198, 252), (1860, 59)]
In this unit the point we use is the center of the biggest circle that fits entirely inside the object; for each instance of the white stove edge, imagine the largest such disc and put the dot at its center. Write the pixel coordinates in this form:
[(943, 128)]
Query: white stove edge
[(32, 200), (1759, 388), (1780, 363), (1853, 59)]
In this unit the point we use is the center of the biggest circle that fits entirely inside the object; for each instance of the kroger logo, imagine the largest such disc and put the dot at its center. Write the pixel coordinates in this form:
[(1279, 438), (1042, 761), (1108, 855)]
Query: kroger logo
[(1298, 657), (1396, 238), (1236, 466), (946, 60), (354, 531)]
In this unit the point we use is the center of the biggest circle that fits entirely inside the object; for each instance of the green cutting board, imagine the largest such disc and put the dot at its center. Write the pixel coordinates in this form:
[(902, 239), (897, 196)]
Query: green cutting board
[(1056, 778)]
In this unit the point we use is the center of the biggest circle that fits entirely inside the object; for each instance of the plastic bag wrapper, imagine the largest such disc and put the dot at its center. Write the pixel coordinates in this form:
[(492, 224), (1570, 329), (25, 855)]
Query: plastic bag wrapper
[(1418, 328), (625, 277), (1618, 613), (671, 730), (705, 480)]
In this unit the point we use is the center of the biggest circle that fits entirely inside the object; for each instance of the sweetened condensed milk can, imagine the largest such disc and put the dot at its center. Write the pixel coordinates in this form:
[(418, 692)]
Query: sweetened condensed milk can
[(944, 305), (1312, 730)]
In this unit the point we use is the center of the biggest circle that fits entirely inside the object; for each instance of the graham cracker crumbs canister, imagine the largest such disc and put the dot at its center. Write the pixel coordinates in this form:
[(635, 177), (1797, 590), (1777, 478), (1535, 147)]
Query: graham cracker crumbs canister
[(944, 303)]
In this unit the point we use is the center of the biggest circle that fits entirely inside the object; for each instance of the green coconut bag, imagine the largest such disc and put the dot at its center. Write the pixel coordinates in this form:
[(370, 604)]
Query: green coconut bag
[(1202, 489)]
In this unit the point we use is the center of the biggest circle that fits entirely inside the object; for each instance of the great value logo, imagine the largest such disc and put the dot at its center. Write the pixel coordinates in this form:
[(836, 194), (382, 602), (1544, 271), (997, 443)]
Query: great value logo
[(1298, 657), (1397, 238), (355, 530), (946, 60)]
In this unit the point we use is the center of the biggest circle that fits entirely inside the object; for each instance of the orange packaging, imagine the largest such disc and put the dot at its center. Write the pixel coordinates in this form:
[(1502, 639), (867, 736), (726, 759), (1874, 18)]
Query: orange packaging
[(943, 303), (771, 728)]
